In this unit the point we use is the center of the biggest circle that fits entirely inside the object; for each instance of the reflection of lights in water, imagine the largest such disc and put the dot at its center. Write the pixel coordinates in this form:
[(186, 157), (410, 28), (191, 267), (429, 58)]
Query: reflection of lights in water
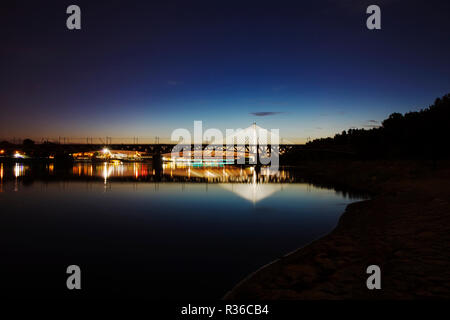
[(111, 169), (77, 169), (226, 173), (252, 192), (114, 169), (18, 170), (1, 171), (136, 171), (107, 170)]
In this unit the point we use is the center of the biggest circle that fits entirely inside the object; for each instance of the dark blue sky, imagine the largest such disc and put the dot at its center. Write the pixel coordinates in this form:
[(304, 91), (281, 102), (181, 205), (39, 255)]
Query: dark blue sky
[(145, 68)]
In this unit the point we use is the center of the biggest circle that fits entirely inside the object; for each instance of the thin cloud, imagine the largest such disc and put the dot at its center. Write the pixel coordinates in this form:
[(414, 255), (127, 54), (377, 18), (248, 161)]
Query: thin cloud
[(265, 113), (372, 124)]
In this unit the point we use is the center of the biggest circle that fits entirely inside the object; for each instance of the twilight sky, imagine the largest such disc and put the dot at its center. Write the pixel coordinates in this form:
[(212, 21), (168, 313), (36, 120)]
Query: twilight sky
[(145, 68)]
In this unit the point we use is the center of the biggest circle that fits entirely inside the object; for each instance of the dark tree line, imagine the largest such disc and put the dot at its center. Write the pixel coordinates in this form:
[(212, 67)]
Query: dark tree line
[(418, 134)]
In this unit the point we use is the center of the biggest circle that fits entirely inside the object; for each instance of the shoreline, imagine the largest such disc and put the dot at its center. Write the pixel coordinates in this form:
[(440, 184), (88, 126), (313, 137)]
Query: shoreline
[(404, 228)]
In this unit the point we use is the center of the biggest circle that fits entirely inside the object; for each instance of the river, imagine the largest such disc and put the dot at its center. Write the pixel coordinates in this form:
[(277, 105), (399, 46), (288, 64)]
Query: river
[(140, 232)]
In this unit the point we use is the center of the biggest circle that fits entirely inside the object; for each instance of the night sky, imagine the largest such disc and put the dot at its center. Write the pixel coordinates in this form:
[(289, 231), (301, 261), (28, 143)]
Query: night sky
[(145, 68)]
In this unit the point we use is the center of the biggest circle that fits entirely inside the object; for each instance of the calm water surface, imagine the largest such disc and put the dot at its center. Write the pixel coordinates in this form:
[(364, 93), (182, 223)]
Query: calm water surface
[(189, 232)]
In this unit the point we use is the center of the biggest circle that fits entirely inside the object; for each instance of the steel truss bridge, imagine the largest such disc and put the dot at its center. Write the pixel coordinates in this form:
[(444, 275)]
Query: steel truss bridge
[(158, 149)]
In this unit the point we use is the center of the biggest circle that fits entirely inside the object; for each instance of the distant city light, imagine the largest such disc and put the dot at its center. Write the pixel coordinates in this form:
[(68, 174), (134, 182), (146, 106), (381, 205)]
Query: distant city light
[(18, 155), (106, 150)]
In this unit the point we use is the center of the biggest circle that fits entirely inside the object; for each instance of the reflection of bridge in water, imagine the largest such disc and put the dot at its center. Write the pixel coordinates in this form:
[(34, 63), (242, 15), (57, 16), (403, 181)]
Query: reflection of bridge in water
[(145, 171), (221, 174), (251, 183), (246, 182)]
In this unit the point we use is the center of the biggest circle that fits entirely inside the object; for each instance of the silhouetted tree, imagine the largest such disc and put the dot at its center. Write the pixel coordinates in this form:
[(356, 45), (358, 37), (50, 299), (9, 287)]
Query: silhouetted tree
[(28, 143), (418, 134)]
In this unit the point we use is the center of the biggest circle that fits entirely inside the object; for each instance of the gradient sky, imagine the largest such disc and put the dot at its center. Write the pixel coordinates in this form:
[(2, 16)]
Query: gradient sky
[(145, 68)]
